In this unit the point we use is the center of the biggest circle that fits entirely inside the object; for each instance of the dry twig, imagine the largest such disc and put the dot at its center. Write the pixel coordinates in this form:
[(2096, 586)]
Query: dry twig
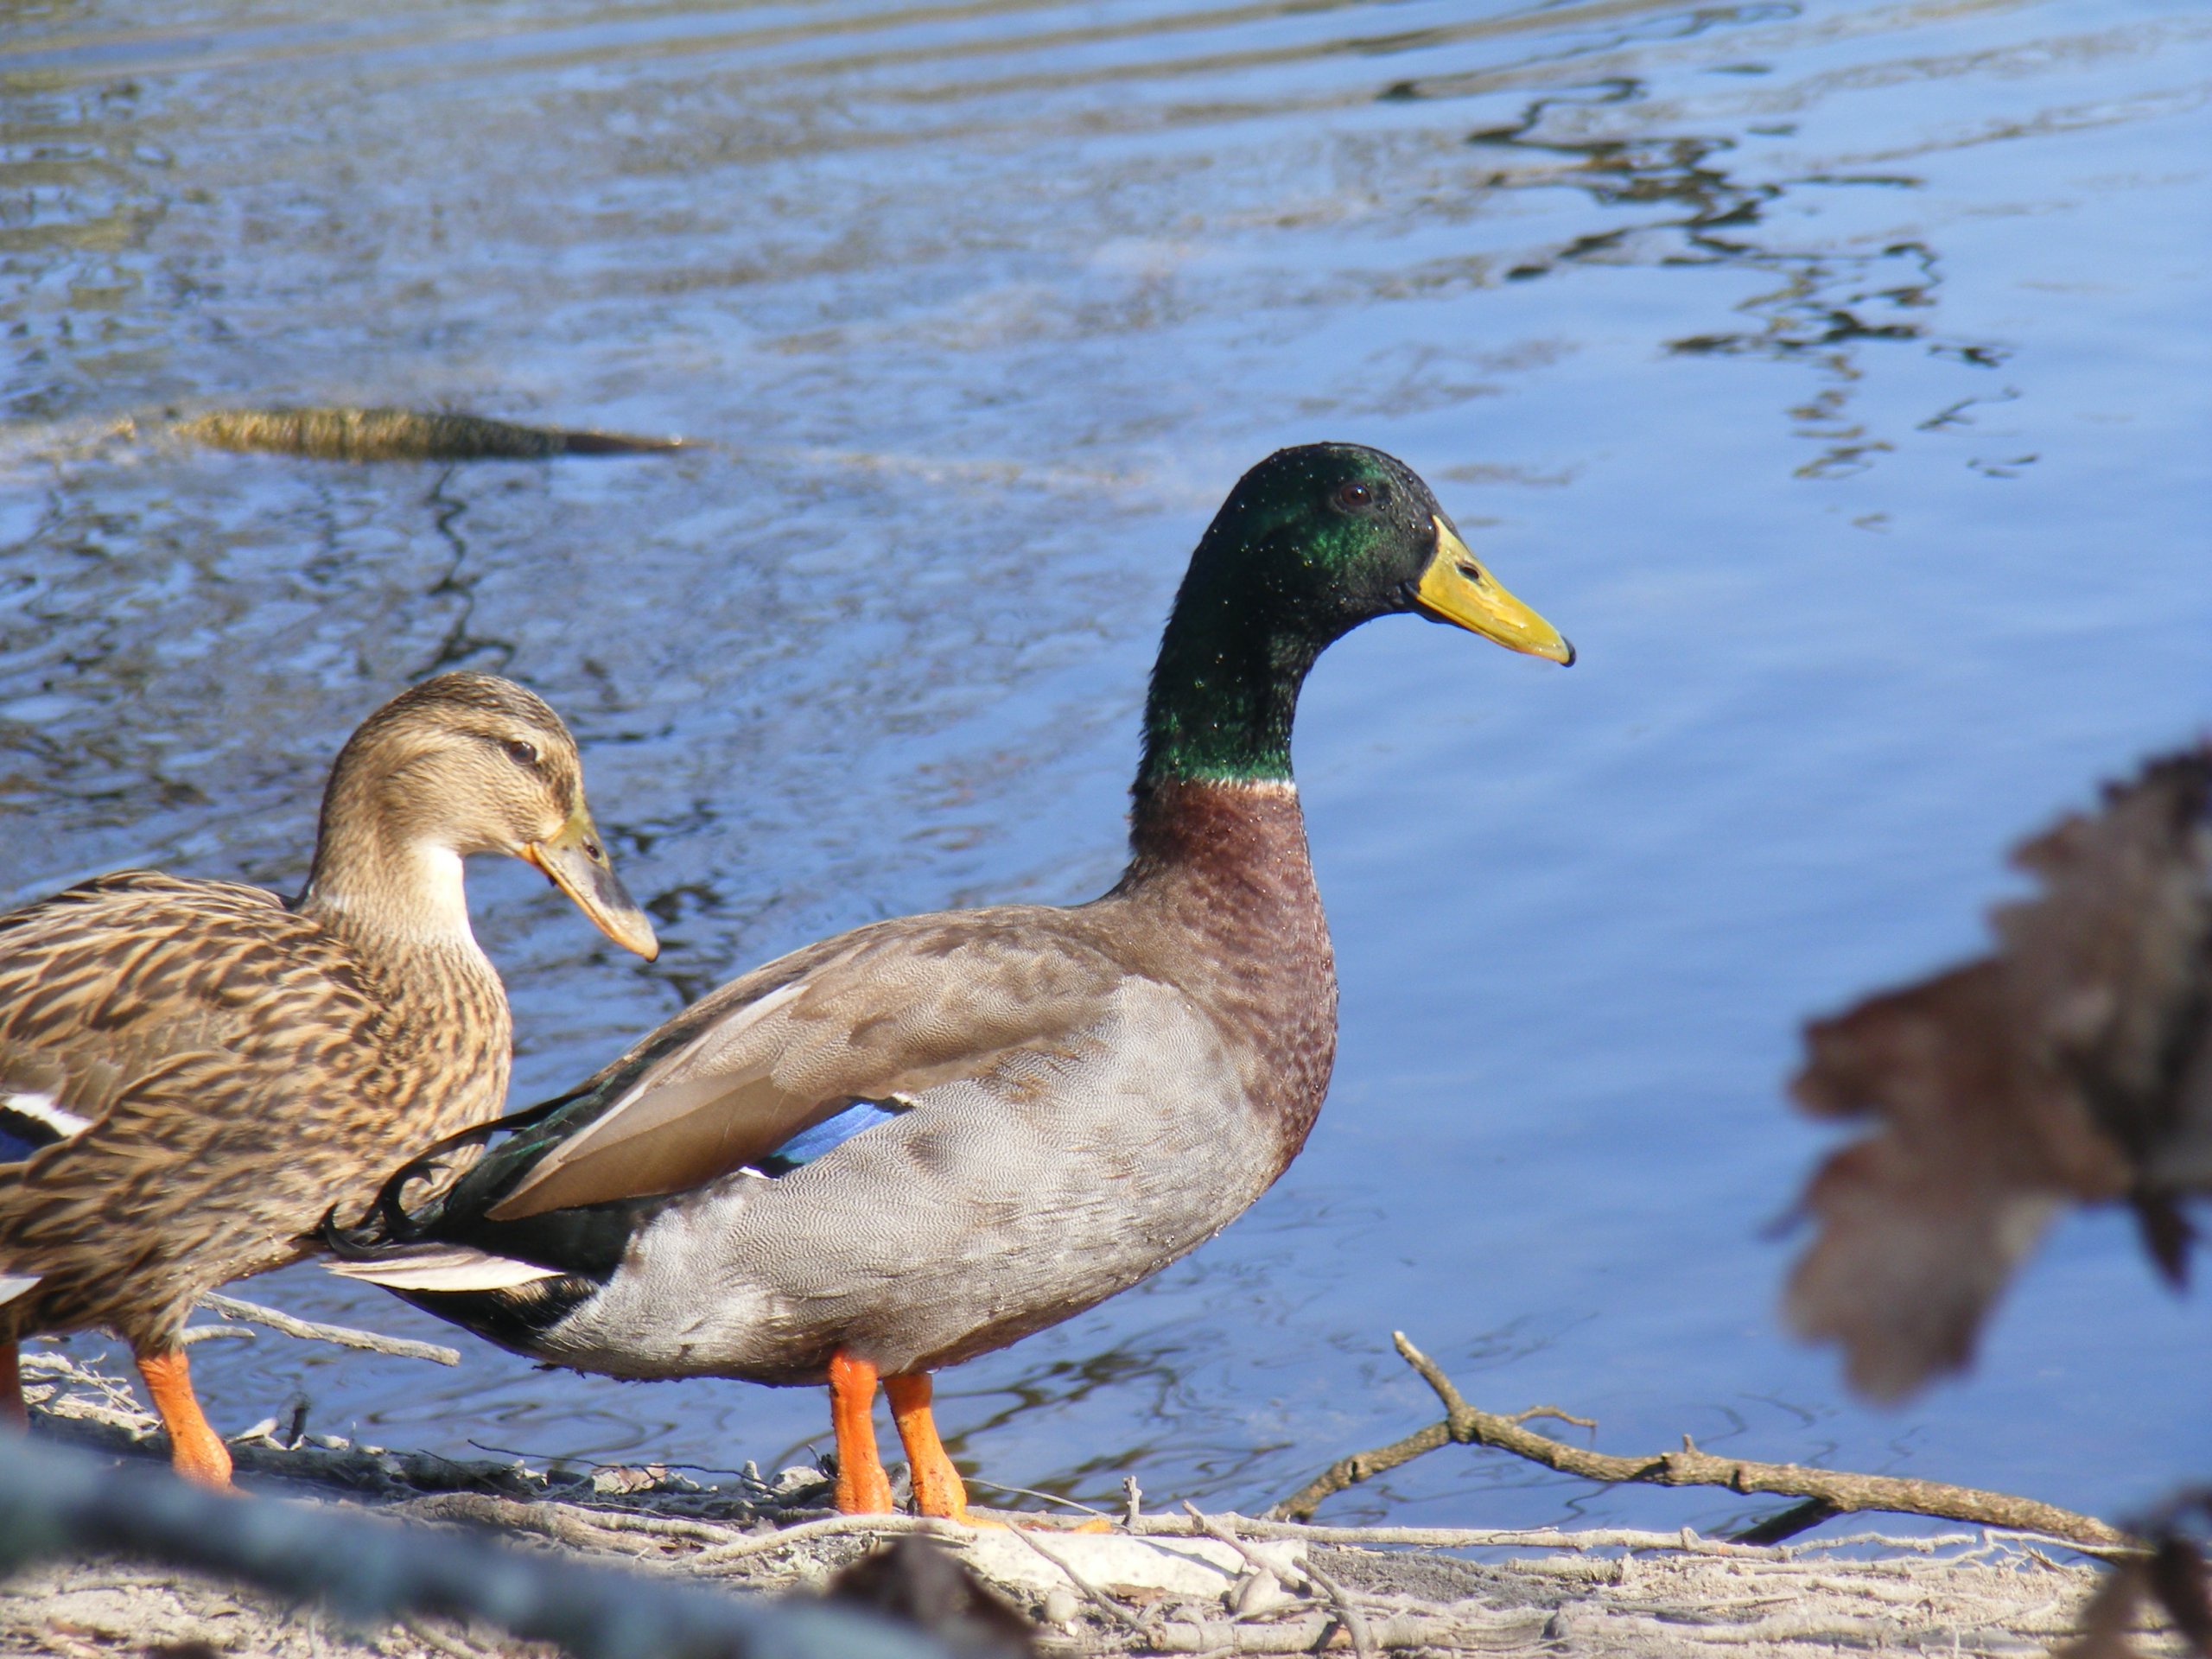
[(1134, 1622), (1354, 1622), (1844, 1491), (314, 1331), (835, 1526)]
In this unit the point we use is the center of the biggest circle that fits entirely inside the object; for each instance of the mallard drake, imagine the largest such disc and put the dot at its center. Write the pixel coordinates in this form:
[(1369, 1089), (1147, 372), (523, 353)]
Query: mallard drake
[(923, 1140), (192, 1072)]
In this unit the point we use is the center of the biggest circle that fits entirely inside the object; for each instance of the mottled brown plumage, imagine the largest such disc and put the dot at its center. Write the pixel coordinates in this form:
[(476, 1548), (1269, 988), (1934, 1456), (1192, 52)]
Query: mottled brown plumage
[(214, 1069)]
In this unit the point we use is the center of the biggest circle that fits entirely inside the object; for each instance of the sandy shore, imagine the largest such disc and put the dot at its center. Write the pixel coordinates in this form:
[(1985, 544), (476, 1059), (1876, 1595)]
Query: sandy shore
[(1169, 1585)]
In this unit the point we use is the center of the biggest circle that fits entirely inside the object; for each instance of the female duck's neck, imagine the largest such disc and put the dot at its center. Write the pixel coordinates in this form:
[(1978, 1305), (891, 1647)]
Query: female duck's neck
[(379, 888)]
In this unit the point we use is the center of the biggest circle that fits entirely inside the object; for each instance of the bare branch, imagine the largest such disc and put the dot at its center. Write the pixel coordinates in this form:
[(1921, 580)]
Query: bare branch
[(1842, 1491), (1134, 1622), (314, 1331)]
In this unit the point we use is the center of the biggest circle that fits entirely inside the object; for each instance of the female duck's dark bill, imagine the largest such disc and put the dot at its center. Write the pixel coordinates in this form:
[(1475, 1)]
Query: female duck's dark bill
[(576, 862), (1455, 589)]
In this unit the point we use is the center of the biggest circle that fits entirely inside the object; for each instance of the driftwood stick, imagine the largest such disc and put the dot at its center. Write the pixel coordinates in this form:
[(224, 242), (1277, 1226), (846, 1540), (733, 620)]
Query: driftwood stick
[(314, 1331), (1787, 1524), (1355, 1623), (196, 1333), (1682, 1542), (835, 1526), (1843, 1491), (1091, 1592), (1221, 1534), (1221, 1637)]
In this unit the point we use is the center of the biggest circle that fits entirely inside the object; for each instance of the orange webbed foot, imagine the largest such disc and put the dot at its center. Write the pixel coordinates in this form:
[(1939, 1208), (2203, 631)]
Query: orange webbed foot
[(863, 1488), (196, 1452), (938, 1490)]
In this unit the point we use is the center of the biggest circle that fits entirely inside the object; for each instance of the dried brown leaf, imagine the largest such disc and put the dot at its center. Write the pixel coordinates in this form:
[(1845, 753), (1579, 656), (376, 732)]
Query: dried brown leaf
[(919, 1582), (2109, 1617), (2072, 1064), (2176, 1579)]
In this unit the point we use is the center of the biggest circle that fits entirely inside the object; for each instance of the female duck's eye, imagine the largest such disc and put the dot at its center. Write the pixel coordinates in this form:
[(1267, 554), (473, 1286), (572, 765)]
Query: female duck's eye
[(522, 753), (1353, 496)]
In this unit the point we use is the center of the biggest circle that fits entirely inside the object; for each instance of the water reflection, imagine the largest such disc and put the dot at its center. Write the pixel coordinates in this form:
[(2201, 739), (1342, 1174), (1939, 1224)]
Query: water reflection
[(460, 648)]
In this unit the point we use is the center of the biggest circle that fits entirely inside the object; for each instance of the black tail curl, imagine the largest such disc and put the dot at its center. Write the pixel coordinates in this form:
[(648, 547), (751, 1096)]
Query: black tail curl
[(388, 1224)]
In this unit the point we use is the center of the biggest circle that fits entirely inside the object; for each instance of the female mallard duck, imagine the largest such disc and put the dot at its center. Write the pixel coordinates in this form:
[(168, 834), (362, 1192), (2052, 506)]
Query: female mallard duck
[(192, 1073), (924, 1139)]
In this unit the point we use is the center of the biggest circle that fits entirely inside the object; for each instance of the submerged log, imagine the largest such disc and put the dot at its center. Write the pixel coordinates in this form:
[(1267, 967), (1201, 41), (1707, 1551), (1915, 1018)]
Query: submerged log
[(401, 435)]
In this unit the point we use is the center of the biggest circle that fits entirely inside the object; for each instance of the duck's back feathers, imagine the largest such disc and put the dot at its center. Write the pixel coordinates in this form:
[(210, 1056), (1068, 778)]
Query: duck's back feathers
[(157, 1034), (102, 984)]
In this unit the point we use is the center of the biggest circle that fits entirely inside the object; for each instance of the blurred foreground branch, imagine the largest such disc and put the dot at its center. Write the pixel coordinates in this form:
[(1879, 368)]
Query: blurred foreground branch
[(54, 1502), (1836, 1492)]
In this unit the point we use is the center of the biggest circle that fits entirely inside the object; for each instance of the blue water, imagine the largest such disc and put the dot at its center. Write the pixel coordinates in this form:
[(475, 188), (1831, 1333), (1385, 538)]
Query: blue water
[(1834, 374)]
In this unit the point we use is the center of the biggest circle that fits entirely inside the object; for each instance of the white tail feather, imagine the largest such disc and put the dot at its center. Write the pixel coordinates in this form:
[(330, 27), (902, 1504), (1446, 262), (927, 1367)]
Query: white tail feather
[(45, 1112), (444, 1267), (13, 1285)]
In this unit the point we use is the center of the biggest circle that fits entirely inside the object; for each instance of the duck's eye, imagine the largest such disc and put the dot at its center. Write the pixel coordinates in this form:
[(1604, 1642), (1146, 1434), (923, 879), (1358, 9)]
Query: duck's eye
[(1353, 496), (594, 851), (522, 753)]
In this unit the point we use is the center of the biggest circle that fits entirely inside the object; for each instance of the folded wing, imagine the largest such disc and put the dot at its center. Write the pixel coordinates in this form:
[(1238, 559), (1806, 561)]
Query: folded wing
[(878, 1015)]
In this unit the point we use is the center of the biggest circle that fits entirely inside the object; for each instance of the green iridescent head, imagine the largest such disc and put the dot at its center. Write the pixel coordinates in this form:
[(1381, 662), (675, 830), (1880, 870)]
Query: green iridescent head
[(1312, 543)]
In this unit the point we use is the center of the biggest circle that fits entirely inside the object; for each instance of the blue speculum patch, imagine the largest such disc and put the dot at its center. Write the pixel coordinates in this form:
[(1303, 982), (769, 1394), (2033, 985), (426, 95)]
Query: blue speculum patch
[(826, 1136), (23, 1133)]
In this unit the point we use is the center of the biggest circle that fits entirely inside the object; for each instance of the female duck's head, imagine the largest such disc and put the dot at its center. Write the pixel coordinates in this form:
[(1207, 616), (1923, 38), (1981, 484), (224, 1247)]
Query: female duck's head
[(462, 764), (1312, 543)]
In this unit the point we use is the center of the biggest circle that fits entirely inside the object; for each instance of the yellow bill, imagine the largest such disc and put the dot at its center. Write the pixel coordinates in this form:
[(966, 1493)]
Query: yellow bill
[(576, 861), (1454, 589)]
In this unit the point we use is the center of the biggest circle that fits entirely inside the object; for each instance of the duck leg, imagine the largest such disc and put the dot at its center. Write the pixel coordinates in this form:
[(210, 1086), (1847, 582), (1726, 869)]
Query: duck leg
[(196, 1452), (938, 1489), (13, 1412), (862, 1487)]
